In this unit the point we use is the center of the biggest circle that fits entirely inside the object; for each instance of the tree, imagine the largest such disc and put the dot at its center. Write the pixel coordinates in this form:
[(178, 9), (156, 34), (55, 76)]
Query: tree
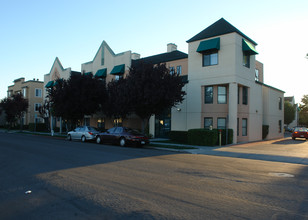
[(14, 108), (117, 105), (289, 113), (76, 97), (303, 114), (44, 111), (151, 89)]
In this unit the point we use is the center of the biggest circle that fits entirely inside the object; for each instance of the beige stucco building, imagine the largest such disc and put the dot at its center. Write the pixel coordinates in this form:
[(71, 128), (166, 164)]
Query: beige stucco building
[(32, 90), (224, 85)]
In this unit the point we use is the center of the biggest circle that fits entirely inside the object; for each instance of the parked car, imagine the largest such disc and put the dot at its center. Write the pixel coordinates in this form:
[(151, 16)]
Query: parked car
[(122, 136), (83, 133), (300, 132)]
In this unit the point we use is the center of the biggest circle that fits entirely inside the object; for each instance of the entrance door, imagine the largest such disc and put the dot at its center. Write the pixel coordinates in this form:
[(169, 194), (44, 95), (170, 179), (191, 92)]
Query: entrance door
[(163, 124)]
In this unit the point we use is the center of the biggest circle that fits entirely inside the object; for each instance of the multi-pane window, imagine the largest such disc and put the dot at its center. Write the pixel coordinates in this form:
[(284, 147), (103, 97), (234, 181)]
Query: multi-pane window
[(222, 95), (208, 122), (37, 107), (208, 95), (246, 60), (280, 103), (179, 70), (245, 95), (238, 94), (244, 127), (210, 58), (280, 126), (171, 70), (221, 123), (38, 92), (24, 92)]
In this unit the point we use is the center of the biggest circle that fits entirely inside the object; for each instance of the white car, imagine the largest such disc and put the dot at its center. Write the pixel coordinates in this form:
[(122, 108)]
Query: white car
[(83, 133)]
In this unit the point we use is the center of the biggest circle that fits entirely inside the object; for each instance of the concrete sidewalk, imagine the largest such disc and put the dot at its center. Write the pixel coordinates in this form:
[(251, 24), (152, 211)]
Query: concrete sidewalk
[(281, 150)]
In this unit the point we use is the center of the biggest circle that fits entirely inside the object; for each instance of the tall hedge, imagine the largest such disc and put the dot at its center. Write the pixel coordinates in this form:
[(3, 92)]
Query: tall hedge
[(37, 127), (205, 137)]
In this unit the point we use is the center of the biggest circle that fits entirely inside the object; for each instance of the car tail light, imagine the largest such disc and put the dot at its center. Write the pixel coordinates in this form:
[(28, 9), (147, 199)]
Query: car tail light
[(295, 132), (90, 133)]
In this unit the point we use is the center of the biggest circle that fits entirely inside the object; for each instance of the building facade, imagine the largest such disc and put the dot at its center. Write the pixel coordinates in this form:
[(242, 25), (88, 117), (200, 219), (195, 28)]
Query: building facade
[(291, 100), (224, 85), (32, 90)]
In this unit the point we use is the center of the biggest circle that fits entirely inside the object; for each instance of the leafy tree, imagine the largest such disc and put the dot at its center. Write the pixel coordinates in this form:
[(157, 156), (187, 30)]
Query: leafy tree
[(44, 111), (303, 114), (151, 89), (117, 105), (14, 108), (76, 97), (289, 113)]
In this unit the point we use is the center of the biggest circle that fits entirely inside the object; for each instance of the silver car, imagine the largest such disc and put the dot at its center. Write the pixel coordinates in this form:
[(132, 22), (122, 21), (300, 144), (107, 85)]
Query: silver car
[(83, 133)]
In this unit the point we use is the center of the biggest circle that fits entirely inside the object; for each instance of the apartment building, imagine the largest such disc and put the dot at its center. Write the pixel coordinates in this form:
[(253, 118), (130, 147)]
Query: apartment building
[(32, 90), (224, 85), (291, 100)]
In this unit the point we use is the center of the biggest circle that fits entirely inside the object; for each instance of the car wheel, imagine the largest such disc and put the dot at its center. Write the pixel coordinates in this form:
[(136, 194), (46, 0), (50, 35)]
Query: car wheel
[(69, 137), (98, 140), (122, 142), (83, 138)]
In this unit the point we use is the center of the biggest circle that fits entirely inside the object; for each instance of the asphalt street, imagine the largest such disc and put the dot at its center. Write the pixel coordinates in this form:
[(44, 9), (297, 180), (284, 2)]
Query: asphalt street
[(50, 178)]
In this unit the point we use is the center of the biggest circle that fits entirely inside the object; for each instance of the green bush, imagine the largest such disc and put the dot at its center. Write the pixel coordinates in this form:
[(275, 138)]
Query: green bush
[(265, 129), (38, 127), (179, 136), (205, 137), (202, 137), (223, 136)]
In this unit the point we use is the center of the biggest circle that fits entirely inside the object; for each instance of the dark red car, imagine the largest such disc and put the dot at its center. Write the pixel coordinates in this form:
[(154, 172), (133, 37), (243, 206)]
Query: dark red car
[(300, 132), (122, 136)]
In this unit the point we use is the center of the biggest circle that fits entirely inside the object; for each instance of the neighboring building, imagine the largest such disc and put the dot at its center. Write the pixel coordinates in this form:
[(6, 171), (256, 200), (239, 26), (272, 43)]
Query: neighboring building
[(291, 99), (32, 90), (222, 90)]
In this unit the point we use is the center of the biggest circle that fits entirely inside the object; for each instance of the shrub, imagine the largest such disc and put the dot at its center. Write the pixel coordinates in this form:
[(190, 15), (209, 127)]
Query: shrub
[(206, 137), (223, 136), (202, 136), (265, 129), (179, 136)]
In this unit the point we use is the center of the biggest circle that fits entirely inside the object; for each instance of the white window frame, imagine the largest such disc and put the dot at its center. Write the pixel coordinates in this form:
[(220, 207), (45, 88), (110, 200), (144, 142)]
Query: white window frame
[(36, 109), (40, 93)]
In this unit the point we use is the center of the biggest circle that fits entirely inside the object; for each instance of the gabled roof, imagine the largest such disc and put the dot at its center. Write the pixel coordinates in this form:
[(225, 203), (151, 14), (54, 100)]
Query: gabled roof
[(220, 27), (162, 58)]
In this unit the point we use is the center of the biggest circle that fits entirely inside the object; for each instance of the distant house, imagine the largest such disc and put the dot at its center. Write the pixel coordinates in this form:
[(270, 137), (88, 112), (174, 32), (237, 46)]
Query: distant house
[(291, 100), (32, 90)]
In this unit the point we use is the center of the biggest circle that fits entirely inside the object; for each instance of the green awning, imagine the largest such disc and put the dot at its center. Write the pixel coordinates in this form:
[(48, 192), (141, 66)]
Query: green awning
[(209, 45), (87, 73), (118, 70), (102, 73), (49, 84), (248, 48)]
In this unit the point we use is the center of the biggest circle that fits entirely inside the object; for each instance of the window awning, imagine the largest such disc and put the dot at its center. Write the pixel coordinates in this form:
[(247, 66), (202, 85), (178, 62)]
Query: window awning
[(118, 70), (102, 73), (209, 45), (49, 84), (87, 73), (248, 48)]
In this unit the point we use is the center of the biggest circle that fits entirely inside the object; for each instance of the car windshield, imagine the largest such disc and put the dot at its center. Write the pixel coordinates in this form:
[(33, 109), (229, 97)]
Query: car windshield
[(301, 129)]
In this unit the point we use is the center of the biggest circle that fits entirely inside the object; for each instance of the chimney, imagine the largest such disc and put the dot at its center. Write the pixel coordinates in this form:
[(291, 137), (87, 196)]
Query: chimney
[(171, 47), (135, 56)]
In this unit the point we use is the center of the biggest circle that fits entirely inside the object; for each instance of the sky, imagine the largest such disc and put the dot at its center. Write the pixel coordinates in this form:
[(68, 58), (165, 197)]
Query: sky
[(34, 32)]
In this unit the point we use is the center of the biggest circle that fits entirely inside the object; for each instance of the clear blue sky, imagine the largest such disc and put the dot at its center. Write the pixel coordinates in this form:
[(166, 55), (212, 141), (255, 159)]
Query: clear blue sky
[(35, 32)]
